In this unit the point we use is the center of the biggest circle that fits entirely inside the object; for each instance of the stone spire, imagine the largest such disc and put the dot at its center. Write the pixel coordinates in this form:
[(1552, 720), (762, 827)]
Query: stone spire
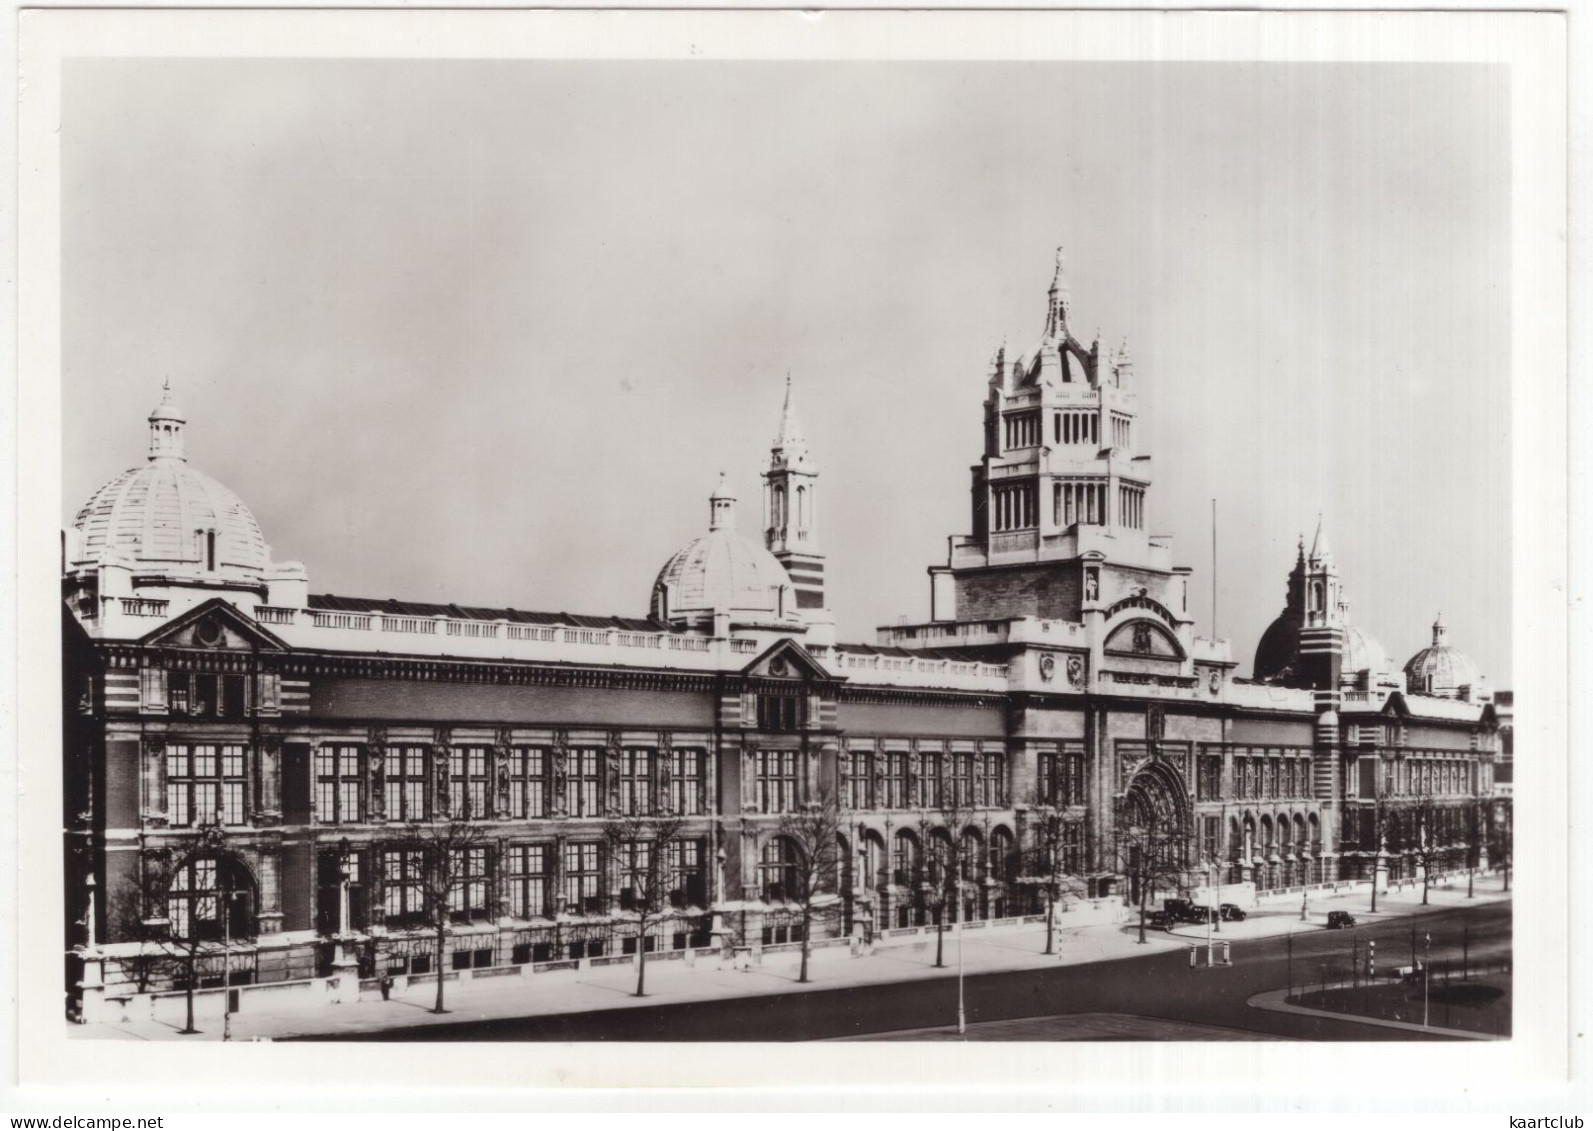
[(166, 428), (1321, 552), (1057, 316), (790, 447)]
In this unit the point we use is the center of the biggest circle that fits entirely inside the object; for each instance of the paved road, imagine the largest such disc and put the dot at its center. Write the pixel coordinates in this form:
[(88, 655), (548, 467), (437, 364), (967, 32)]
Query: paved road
[(1156, 986)]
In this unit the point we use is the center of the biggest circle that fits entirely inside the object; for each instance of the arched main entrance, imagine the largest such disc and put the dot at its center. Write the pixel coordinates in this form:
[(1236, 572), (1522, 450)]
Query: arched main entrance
[(1153, 832)]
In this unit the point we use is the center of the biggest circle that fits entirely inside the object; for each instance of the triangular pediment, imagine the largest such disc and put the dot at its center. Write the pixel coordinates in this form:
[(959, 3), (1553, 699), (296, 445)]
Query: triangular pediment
[(214, 626), (786, 659), (1396, 707)]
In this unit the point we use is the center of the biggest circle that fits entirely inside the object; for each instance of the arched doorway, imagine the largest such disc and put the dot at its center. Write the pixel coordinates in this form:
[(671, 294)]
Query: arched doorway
[(1153, 832)]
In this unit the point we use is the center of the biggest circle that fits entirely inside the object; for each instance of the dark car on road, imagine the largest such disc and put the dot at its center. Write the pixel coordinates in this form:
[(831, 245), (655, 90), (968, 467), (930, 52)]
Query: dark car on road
[(1339, 919), (1160, 921), (1183, 911), (1232, 912)]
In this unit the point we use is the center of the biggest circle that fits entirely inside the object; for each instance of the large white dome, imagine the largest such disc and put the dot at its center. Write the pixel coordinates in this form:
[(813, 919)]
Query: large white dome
[(171, 520)]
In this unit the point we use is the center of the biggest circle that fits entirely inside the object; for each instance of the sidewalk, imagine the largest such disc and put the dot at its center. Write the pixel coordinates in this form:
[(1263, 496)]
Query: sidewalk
[(672, 983)]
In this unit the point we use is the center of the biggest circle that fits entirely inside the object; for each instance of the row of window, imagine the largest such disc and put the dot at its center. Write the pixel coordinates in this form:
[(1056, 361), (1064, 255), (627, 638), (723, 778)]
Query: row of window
[(1420, 777), (1131, 507), (1076, 427), (1083, 503), (1014, 506), (417, 785), (871, 780), (528, 880)]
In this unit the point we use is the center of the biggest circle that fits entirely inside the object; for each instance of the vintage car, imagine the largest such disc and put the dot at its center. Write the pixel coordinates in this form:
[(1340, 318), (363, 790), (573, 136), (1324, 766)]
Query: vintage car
[(1160, 921), (1340, 919), (1232, 912)]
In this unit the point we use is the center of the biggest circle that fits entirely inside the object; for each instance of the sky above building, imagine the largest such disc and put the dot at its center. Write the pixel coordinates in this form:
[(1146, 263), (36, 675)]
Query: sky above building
[(489, 332)]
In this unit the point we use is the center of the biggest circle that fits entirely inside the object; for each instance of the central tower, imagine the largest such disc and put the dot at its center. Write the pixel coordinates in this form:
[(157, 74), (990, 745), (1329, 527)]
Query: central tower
[(1059, 495)]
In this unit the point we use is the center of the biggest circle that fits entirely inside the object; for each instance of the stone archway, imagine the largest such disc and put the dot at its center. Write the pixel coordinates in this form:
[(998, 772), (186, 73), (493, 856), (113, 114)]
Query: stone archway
[(1154, 822)]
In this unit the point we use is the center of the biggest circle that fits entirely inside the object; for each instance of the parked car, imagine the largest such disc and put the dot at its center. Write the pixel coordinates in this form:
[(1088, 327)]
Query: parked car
[(1232, 912), (1160, 921), (1199, 913), (1338, 919), (1183, 911)]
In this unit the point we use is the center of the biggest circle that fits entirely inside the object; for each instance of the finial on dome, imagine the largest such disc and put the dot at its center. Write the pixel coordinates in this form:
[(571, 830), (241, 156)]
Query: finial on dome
[(166, 427), (722, 506), (1440, 630)]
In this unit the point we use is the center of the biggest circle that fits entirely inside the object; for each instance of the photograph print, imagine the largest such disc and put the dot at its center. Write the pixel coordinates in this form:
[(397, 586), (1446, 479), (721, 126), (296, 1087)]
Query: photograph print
[(803, 549)]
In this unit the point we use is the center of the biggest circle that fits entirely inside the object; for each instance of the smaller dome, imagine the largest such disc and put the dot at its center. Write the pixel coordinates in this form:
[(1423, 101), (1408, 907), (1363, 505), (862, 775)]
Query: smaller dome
[(169, 519), (724, 572), (1442, 670)]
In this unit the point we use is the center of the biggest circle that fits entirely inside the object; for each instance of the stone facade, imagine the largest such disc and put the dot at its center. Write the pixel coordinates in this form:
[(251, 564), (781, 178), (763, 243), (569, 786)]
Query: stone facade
[(274, 769)]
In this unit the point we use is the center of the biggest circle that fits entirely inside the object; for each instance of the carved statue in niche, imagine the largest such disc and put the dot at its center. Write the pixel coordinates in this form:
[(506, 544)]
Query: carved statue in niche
[(1142, 638), (1075, 671), (1092, 585), (561, 769), (913, 772), (666, 770), (611, 771), (749, 778), (439, 768), (500, 752), (878, 758)]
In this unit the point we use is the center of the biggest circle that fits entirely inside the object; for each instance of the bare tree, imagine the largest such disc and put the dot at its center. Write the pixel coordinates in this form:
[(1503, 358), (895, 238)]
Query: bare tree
[(188, 902), (1152, 851), (131, 920), (945, 866), (814, 875), (444, 850), (1045, 862), (640, 848), (1428, 835)]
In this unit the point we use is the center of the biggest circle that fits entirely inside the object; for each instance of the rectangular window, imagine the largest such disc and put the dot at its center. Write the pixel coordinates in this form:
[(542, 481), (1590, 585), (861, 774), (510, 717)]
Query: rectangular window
[(992, 784), (858, 768), (633, 866), (467, 783), (896, 781), (527, 880), (1209, 781), (780, 712), (687, 884), (1073, 848), (528, 791), (338, 781), (583, 786), (582, 878), (777, 780), (405, 783), (962, 781), (686, 782), (404, 875), (929, 781), (636, 782), (467, 896), (206, 696), (205, 785)]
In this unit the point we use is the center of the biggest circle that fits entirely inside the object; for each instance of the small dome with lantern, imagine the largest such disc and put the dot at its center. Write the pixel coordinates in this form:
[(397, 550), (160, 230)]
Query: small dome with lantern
[(166, 519), (723, 575), (1443, 670)]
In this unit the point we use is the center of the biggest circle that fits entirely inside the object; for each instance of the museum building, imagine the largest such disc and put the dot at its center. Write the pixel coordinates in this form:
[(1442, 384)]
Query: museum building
[(271, 751)]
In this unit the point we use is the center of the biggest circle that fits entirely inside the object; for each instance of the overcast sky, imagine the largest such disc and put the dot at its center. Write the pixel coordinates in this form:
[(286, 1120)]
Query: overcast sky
[(488, 332)]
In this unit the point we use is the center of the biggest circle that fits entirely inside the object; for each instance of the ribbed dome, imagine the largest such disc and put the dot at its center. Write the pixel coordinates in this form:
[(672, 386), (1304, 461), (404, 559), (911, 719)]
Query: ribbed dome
[(169, 519), (1440, 669), (158, 517), (722, 572)]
